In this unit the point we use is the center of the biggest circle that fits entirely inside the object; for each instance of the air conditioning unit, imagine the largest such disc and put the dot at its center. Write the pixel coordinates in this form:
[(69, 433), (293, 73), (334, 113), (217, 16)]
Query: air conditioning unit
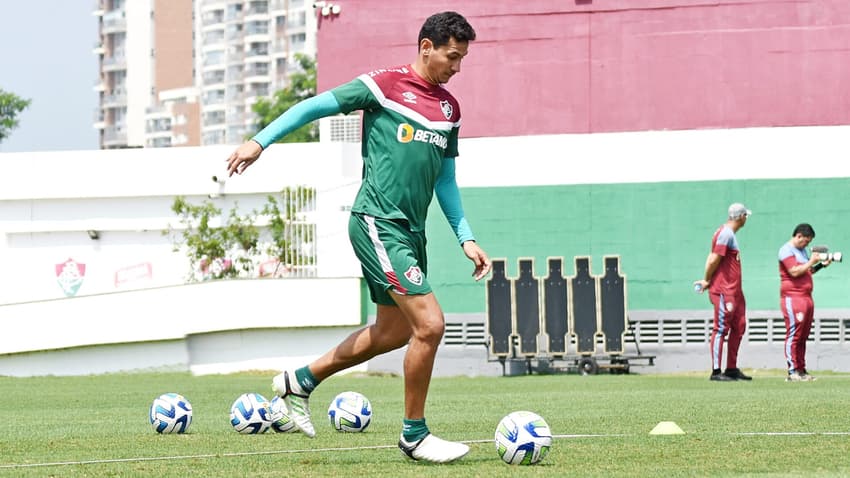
[(340, 128)]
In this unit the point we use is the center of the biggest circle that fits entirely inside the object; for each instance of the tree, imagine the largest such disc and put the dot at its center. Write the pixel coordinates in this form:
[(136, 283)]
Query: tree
[(235, 246), (10, 106), (215, 251), (302, 85)]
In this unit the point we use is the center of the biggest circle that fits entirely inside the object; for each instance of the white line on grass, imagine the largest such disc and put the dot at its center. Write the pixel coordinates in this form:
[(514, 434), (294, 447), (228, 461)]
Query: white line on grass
[(359, 448), (190, 457), (773, 434)]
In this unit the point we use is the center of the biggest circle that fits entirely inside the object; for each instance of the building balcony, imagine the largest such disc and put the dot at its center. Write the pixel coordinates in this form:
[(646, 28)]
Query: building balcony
[(212, 18), (98, 9), (209, 129), (257, 9), (214, 100), (213, 4), (257, 80), (214, 38), (158, 142), (99, 122), (114, 24), (99, 86), (114, 136), (257, 56), (98, 48), (235, 97), (256, 37), (216, 83), (114, 99), (114, 63), (207, 108), (235, 57), (157, 131), (157, 112)]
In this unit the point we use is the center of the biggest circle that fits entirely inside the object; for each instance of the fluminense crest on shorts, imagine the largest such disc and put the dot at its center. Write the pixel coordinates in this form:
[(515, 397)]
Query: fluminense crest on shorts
[(414, 275), (447, 109), (799, 316)]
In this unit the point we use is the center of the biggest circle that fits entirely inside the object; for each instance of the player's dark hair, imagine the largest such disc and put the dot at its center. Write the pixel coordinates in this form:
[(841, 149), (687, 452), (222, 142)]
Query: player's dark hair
[(441, 27), (805, 230)]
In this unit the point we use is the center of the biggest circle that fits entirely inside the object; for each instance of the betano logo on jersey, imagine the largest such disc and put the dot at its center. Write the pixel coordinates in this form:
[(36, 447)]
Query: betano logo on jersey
[(407, 133)]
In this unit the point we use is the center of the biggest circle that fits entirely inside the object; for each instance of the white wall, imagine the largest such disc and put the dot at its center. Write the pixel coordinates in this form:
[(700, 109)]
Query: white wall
[(655, 156), (49, 200), (172, 313)]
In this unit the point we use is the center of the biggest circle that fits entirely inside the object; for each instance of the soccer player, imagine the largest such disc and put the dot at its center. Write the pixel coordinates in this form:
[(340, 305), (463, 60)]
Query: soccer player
[(410, 139), (795, 298), (722, 278)]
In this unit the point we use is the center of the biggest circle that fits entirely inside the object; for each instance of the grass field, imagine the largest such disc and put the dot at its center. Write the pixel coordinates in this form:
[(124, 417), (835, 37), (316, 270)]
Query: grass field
[(98, 426)]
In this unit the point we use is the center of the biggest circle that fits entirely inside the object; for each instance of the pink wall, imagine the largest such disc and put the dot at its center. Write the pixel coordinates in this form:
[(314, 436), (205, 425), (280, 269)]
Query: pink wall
[(578, 66)]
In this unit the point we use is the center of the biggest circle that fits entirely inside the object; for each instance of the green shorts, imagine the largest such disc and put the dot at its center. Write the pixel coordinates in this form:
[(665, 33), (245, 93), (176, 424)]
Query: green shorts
[(392, 257)]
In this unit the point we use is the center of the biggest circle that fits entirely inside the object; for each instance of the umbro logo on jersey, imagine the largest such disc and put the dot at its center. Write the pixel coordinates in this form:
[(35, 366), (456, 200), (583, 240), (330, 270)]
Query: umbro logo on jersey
[(447, 109), (409, 97), (407, 133)]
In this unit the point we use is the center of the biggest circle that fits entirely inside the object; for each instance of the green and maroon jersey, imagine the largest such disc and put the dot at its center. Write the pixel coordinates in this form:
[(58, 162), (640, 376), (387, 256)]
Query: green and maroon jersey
[(409, 126)]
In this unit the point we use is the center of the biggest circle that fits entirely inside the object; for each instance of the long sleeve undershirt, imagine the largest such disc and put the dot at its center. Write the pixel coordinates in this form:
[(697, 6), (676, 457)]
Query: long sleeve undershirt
[(448, 196), (311, 109)]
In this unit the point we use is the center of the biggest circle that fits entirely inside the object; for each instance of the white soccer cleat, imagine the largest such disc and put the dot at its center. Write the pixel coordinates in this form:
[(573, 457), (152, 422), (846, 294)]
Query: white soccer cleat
[(297, 401), (433, 449)]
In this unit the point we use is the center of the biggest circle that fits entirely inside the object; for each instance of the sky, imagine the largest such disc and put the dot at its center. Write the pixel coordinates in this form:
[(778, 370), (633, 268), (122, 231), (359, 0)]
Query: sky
[(46, 56)]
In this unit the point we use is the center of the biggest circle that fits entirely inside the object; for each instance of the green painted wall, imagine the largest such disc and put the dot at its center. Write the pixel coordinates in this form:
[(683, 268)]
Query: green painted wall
[(662, 231)]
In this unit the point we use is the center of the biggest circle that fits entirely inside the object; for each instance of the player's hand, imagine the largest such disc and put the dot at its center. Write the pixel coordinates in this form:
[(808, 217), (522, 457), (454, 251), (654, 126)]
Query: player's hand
[(244, 156), (479, 258), (703, 285)]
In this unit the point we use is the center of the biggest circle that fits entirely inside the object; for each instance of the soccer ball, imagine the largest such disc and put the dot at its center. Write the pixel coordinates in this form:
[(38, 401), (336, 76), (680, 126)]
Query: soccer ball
[(282, 422), (171, 413), (350, 412), (523, 438), (251, 413)]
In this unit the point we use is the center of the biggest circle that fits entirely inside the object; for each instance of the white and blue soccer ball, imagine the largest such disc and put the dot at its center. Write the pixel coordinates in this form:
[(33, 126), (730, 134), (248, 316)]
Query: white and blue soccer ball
[(171, 413), (350, 412), (251, 413), (523, 438), (281, 421)]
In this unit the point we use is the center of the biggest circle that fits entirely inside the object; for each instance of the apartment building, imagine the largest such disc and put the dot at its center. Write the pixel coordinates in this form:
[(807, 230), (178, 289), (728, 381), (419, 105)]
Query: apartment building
[(186, 72), (247, 52)]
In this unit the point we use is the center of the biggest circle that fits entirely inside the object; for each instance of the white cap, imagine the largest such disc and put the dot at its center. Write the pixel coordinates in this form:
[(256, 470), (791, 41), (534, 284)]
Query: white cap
[(736, 210)]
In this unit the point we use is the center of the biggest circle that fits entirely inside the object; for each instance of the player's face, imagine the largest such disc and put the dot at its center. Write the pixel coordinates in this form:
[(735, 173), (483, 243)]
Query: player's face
[(444, 62)]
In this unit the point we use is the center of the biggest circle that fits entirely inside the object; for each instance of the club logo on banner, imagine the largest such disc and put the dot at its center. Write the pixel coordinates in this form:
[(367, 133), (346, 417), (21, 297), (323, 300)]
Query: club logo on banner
[(69, 276)]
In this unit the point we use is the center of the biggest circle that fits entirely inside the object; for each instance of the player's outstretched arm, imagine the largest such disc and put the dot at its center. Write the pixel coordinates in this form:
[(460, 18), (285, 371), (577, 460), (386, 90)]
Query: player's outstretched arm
[(302, 113)]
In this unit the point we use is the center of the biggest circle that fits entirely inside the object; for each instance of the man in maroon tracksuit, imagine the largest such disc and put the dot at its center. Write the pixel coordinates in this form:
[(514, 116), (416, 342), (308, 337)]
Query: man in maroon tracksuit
[(795, 291), (723, 281)]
